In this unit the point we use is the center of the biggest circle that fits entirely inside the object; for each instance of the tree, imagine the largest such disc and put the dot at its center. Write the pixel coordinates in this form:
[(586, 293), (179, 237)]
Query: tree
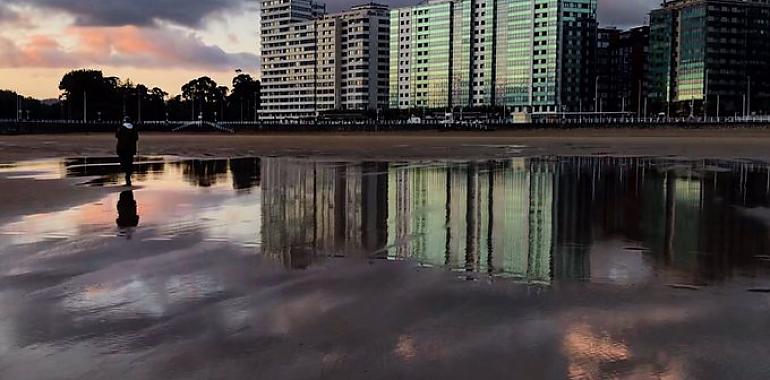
[(221, 100), (201, 93), (177, 109), (109, 98), (84, 90), (11, 103), (244, 98)]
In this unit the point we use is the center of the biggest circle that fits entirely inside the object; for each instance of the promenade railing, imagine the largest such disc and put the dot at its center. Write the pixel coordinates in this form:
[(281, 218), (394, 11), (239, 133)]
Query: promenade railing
[(287, 125)]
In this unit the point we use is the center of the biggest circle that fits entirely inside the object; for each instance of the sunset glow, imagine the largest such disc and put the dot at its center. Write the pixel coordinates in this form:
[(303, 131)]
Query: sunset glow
[(162, 44)]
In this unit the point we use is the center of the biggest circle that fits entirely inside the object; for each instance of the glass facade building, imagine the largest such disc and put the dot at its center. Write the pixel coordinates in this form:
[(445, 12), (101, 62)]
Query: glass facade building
[(529, 55), (420, 55), (710, 57), (622, 69)]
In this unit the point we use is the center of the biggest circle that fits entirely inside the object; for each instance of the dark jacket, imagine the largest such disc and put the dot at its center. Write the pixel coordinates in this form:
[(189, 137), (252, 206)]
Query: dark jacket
[(127, 139)]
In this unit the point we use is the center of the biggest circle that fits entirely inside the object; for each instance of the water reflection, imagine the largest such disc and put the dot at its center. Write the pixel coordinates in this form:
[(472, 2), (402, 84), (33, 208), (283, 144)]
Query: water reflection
[(620, 220), (128, 219), (192, 282)]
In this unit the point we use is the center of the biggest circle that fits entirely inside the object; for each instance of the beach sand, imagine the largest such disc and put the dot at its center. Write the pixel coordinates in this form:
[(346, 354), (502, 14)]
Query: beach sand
[(694, 144), (97, 305)]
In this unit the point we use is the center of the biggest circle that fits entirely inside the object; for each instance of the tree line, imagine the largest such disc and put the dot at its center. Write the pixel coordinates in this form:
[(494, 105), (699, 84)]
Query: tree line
[(88, 94)]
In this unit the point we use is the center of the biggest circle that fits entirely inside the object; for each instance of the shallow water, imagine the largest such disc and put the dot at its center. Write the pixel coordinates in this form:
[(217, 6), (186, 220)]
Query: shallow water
[(536, 220), (584, 267)]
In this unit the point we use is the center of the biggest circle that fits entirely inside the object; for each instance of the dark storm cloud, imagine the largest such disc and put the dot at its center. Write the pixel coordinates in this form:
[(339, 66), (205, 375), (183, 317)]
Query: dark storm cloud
[(136, 12)]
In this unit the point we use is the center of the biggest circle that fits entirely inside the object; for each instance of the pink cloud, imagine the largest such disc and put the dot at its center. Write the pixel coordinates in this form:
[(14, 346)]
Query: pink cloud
[(36, 51), (129, 46)]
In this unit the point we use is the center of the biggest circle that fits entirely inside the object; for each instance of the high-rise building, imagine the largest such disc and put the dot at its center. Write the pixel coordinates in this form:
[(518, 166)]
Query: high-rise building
[(621, 58), (288, 31), (710, 56), (314, 62), (529, 55)]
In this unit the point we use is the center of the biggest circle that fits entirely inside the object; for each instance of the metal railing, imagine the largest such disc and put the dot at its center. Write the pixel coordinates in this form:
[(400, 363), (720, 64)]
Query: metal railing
[(9, 126)]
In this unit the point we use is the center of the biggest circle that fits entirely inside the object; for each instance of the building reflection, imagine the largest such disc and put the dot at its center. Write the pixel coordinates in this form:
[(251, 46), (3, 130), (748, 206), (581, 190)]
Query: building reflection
[(491, 217), (495, 217), (531, 219), (322, 208)]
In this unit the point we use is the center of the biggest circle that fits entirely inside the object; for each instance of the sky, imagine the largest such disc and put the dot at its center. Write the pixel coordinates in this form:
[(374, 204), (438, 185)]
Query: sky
[(161, 43)]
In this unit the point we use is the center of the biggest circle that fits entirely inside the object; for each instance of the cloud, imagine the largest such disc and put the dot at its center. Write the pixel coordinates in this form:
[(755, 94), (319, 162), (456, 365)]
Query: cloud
[(37, 51), (622, 13), (136, 12), (191, 13), (126, 46), (6, 13), (625, 13)]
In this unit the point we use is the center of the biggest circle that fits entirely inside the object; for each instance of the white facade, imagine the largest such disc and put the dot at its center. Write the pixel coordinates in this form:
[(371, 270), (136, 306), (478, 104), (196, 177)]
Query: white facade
[(288, 57), (314, 62)]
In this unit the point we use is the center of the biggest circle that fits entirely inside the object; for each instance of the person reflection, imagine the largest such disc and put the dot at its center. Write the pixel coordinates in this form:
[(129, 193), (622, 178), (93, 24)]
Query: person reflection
[(128, 219)]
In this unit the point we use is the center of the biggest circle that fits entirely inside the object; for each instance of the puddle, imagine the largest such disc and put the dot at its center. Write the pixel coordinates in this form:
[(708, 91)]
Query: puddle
[(627, 221), (552, 267)]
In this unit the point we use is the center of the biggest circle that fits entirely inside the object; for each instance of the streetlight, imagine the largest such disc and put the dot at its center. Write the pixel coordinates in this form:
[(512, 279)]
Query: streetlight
[(19, 100), (639, 100), (139, 104), (596, 94), (706, 97), (748, 97)]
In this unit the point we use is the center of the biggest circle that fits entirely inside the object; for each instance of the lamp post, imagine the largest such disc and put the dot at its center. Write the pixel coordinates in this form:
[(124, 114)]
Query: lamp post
[(19, 100), (748, 97), (138, 105), (706, 97), (639, 100), (596, 94)]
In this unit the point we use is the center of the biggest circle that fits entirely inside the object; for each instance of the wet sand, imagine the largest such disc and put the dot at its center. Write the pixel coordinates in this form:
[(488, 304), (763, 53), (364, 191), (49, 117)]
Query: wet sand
[(749, 144), (707, 143), (101, 306)]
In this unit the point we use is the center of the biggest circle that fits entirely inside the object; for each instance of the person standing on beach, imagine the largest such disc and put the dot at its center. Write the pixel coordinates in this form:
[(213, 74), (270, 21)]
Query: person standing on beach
[(126, 148)]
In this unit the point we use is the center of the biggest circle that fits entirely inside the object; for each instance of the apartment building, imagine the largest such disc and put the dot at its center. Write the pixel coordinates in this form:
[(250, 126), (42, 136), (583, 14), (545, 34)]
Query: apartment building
[(315, 62), (526, 55)]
